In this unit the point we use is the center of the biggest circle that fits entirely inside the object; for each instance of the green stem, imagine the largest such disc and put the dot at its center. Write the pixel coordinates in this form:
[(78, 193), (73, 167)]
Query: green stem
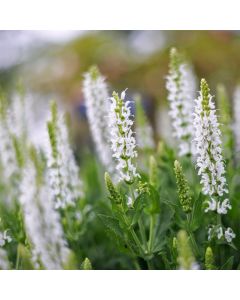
[(140, 224), (134, 236), (18, 260), (143, 234), (192, 239), (150, 265), (151, 233)]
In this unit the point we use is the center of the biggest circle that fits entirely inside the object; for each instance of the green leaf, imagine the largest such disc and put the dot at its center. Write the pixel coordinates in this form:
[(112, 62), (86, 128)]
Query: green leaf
[(228, 264), (114, 231), (197, 213)]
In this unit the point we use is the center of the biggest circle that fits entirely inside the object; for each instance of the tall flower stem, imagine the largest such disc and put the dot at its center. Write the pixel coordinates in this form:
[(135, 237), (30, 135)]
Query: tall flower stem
[(191, 236)]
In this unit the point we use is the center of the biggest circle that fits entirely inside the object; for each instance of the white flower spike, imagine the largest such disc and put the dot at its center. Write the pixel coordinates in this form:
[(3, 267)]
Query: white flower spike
[(210, 161), (181, 88), (123, 142), (97, 104)]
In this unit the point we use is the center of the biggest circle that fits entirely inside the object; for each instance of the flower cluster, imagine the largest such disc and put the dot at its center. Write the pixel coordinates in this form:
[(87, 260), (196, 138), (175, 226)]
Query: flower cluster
[(181, 92), (123, 142), (42, 222), (219, 232), (97, 104), (210, 162), (63, 172)]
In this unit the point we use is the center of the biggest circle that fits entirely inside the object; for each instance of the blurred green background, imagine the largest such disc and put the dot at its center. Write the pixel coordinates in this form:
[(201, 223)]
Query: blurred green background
[(51, 64)]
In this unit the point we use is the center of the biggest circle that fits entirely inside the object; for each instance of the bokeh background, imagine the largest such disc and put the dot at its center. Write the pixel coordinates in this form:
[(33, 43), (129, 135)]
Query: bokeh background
[(51, 64)]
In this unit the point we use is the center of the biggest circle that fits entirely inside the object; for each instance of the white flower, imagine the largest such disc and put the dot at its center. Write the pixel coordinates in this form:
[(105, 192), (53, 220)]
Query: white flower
[(4, 262), (236, 125), (212, 205), (210, 162), (129, 201), (123, 142), (63, 172), (219, 232), (4, 238), (222, 208), (229, 235), (181, 93), (42, 222), (97, 104)]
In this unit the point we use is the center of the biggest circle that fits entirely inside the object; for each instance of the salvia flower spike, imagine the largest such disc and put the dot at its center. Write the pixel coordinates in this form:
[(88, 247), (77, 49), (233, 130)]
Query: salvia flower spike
[(181, 88), (63, 172), (123, 142), (210, 163), (97, 103), (42, 222)]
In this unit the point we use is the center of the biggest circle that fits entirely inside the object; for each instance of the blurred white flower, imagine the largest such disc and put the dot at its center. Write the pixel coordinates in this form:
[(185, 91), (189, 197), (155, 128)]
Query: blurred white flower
[(97, 104), (181, 88), (4, 262), (236, 125), (63, 172), (4, 238), (229, 235), (42, 222)]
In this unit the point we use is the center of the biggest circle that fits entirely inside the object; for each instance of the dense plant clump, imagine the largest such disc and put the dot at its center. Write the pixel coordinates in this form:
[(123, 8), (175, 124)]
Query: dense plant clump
[(141, 204)]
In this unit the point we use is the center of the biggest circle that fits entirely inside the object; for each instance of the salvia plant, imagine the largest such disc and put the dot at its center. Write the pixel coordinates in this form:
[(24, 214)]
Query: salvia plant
[(141, 203), (181, 90)]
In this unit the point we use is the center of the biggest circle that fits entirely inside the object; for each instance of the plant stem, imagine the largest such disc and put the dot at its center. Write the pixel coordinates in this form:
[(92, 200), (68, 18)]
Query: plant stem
[(151, 233), (150, 265), (192, 239), (143, 234), (18, 260)]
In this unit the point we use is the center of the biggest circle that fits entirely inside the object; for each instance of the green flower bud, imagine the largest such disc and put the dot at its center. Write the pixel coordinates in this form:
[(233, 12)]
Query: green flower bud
[(25, 262), (94, 72), (209, 259), (153, 171), (205, 90), (86, 265), (71, 263), (115, 196), (185, 258), (182, 188)]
